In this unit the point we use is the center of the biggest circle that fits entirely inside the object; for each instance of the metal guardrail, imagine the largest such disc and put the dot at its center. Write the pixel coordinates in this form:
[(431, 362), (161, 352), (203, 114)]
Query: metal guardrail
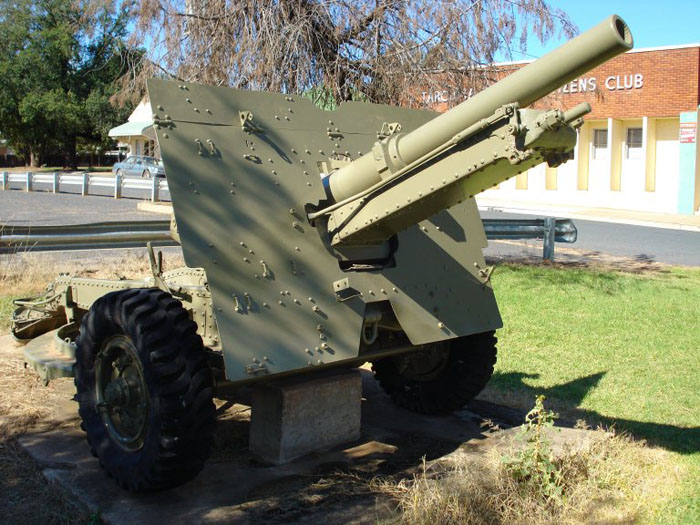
[(154, 188), (130, 234), (549, 229), (101, 235)]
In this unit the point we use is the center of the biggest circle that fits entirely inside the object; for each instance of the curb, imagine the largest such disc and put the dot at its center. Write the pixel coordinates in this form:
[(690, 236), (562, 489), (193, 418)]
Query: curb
[(564, 213), (153, 207)]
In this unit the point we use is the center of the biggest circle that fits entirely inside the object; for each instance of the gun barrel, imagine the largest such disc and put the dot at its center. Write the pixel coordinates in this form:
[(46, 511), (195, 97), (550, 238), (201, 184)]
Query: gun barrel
[(577, 112), (590, 49)]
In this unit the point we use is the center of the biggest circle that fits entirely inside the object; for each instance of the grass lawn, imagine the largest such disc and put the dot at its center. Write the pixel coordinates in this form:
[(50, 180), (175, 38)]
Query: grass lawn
[(608, 347)]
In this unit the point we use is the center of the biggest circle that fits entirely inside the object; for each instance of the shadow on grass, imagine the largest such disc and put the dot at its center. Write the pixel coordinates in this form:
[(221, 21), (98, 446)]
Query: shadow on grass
[(567, 397), (570, 275), (591, 260)]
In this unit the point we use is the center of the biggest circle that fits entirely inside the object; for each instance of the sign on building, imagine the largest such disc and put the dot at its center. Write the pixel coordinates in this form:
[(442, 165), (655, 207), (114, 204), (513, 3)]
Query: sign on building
[(688, 132)]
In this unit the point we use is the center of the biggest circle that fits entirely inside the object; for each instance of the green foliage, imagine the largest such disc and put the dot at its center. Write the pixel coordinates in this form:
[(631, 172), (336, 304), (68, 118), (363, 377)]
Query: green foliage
[(534, 465), (59, 61), (323, 97)]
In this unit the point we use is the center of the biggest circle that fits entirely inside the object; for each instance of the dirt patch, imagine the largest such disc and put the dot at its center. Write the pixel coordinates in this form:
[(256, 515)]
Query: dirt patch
[(328, 486), (405, 468), (396, 447), (596, 477), (566, 257), (29, 273), (26, 405)]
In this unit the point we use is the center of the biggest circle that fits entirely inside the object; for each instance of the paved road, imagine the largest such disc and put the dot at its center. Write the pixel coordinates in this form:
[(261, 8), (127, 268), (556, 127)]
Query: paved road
[(39, 209), (638, 242)]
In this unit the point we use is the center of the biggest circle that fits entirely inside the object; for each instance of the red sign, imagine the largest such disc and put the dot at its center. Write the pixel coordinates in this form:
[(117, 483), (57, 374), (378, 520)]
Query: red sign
[(688, 132)]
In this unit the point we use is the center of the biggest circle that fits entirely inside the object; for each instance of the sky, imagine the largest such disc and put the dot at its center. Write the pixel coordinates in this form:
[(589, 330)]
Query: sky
[(653, 22)]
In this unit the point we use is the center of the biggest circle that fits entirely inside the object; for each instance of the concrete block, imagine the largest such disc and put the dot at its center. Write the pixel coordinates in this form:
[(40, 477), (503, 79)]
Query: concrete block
[(293, 417)]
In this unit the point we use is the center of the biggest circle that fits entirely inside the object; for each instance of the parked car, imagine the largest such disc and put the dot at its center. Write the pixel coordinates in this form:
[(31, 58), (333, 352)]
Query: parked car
[(139, 166)]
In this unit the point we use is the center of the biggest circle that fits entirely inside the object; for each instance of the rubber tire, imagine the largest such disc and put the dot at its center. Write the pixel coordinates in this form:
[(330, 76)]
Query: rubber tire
[(182, 415), (469, 368)]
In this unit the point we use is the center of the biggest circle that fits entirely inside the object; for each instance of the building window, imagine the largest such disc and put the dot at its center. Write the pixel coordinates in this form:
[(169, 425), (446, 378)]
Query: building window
[(600, 142), (149, 148), (634, 143)]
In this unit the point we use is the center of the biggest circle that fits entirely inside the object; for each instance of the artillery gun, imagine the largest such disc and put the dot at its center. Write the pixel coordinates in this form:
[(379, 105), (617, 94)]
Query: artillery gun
[(313, 239)]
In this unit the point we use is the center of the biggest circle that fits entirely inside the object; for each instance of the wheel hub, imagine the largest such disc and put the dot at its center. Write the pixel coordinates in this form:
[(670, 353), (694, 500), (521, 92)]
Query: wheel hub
[(122, 396), (118, 393), (425, 365)]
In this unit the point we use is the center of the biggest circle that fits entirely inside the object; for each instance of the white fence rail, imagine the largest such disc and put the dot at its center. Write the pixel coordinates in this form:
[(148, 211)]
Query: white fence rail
[(154, 188)]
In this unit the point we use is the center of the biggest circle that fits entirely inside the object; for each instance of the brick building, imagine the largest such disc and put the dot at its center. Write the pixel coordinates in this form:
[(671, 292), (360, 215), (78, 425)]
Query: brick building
[(637, 149)]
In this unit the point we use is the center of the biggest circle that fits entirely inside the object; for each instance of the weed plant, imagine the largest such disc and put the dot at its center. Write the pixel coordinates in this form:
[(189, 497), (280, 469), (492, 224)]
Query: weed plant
[(607, 478), (534, 465)]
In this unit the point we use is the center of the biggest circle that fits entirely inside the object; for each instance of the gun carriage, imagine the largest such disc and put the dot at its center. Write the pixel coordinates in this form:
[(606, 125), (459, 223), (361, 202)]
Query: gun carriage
[(313, 239)]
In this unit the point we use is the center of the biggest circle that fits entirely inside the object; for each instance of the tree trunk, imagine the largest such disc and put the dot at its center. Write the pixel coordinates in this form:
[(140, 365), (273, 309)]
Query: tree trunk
[(34, 158), (71, 157)]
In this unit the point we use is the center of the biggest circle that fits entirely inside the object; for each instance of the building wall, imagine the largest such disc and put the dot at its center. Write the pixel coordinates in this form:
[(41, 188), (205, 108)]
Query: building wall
[(140, 144), (654, 82), (689, 172), (142, 112), (611, 176), (647, 169)]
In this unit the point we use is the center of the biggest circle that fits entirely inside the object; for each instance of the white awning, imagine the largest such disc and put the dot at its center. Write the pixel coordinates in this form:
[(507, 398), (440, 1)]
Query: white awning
[(131, 129)]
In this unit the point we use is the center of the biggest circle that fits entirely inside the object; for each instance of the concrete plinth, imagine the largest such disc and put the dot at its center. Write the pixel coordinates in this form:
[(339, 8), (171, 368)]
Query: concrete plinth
[(296, 416)]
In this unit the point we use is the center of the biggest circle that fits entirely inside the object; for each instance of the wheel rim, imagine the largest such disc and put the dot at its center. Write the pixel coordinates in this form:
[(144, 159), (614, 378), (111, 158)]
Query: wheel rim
[(425, 365), (121, 393)]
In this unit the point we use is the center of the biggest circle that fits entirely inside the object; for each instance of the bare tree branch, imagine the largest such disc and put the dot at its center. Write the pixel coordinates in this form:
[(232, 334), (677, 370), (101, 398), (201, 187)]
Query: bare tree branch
[(378, 50)]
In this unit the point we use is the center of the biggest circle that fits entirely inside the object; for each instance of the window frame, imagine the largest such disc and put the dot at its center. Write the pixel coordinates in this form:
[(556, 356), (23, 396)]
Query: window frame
[(596, 144), (633, 149)]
